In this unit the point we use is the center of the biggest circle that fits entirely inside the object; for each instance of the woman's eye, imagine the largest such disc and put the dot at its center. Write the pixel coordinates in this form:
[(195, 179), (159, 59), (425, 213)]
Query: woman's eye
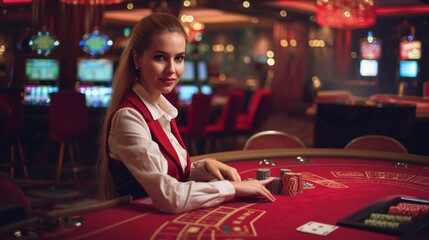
[(159, 57), (180, 58)]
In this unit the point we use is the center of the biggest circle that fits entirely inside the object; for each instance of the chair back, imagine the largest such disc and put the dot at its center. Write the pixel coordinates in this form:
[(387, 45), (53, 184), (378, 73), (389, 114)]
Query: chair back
[(230, 110), (426, 90), (5, 113), (377, 143), (272, 139), (173, 98), (259, 107), (254, 102), (199, 113), (68, 114), (4, 119), (12, 101)]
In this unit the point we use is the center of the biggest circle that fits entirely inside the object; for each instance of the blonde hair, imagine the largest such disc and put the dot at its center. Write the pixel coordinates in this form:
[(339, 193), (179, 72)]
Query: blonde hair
[(126, 73)]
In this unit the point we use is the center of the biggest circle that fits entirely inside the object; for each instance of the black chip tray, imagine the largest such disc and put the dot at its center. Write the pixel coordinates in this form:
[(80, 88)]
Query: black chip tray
[(356, 220)]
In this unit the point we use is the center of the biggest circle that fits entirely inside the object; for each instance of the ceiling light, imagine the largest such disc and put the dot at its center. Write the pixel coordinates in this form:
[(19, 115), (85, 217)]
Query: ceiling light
[(346, 13)]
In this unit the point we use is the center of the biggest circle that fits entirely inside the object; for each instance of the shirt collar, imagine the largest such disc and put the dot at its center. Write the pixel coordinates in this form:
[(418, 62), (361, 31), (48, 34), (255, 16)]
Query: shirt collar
[(157, 110)]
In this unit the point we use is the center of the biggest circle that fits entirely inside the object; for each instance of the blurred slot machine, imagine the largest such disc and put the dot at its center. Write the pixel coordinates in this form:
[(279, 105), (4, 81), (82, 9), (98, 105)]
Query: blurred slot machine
[(42, 75), (203, 77), (194, 79), (408, 65), (95, 78), (370, 54), (185, 93), (187, 87)]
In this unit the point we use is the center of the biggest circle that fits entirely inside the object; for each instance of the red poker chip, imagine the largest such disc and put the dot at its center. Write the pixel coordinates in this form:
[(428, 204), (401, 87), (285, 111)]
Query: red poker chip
[(422, 207), (404, 211)]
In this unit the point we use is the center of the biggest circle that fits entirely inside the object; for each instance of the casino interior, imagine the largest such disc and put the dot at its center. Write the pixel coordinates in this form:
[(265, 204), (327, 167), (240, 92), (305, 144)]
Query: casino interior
[(315, 86)]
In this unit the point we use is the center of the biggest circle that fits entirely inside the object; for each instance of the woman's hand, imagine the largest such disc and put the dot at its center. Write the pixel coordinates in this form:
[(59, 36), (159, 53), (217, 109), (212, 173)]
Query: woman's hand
[(253, 187), (221, 171)]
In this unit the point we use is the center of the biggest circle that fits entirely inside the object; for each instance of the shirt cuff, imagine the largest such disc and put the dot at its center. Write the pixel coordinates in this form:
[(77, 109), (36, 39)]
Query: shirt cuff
[(199, 173), (226, 189)]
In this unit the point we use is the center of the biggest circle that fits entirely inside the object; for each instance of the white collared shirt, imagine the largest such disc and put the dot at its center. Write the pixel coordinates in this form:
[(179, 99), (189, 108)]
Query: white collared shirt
[(130, 141)]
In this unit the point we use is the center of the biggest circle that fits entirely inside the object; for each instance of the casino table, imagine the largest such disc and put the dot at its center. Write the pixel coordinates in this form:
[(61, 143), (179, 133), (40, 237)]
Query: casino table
[(345, 182), (421, 128), (422, 104)]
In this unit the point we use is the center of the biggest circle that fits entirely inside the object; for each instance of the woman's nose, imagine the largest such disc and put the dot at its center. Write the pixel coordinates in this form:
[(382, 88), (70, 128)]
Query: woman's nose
[(170, 67)]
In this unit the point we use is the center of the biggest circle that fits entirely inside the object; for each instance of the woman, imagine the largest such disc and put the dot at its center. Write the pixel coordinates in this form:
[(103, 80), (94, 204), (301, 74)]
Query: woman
[(142, 151)]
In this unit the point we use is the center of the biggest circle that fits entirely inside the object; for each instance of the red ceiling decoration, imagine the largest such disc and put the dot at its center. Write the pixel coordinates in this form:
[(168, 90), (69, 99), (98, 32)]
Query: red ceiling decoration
[(346, 13), (92, 2), (16, 1)]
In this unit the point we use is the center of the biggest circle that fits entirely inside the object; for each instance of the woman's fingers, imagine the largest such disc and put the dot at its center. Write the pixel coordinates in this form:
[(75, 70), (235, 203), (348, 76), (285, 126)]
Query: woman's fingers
[(265, 192), (252, 188), (266, 181), (218, 175), (232, 174), (222, 171)]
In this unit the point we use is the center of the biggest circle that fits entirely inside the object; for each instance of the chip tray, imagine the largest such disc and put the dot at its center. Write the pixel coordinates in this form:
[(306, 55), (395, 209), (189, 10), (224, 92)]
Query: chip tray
[(356, 220)]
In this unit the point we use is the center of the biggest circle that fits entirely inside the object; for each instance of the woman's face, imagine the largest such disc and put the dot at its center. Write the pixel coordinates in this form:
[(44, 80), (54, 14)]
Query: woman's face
[(162, 64)]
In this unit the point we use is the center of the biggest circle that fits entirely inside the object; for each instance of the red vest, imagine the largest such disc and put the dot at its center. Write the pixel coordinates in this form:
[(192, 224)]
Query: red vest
[(125, 182)]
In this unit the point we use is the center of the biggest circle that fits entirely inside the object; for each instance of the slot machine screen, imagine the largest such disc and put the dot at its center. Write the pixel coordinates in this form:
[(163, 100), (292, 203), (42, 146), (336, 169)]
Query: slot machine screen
[(42, 71), (370, 50), (96, 96), (202, 71), (186, 92), (38, 94), (95, 71), (408, 69), (189, 72), (206, 89), (368, 68), (410, 50)]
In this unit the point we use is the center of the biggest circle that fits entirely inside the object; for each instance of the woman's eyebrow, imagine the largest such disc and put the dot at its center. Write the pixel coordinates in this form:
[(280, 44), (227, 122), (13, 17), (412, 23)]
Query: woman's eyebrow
[(162, 52)]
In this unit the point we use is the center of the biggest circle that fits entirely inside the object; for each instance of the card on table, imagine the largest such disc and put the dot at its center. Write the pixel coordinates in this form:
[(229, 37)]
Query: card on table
[(317, 228)]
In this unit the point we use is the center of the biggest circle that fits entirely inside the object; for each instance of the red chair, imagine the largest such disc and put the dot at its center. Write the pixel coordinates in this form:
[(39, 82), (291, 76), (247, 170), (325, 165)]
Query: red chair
[(376, 143), (226, 125), (257, 112), (68, 123), (272, 139), (14, 127), (198, 117), (426, 90), (173, 98)]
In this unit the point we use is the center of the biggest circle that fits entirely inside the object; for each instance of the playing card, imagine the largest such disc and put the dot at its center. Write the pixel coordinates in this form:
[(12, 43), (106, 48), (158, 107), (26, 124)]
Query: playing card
[(317, 228)]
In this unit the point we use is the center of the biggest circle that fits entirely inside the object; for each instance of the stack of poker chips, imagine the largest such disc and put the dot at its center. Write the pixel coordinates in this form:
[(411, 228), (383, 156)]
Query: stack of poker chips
[(389, 221), (283, 171), (275, 186), (409, 209), (398, 216), (263, 173), (282, 185), (292, 184)]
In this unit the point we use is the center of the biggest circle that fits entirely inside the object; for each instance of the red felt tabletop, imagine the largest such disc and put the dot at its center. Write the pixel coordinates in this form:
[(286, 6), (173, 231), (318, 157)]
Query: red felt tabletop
[(342, 187)]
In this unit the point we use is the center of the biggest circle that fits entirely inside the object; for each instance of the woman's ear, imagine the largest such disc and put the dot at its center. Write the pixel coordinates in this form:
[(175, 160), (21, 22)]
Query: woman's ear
[(136, 59)]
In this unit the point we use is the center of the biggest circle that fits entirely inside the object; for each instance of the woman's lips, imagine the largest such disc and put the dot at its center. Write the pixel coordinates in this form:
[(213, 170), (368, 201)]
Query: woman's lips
[(168, 80)]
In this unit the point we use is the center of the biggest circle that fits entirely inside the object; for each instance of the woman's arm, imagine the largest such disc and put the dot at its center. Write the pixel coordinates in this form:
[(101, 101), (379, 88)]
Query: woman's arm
[(130, 142)]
